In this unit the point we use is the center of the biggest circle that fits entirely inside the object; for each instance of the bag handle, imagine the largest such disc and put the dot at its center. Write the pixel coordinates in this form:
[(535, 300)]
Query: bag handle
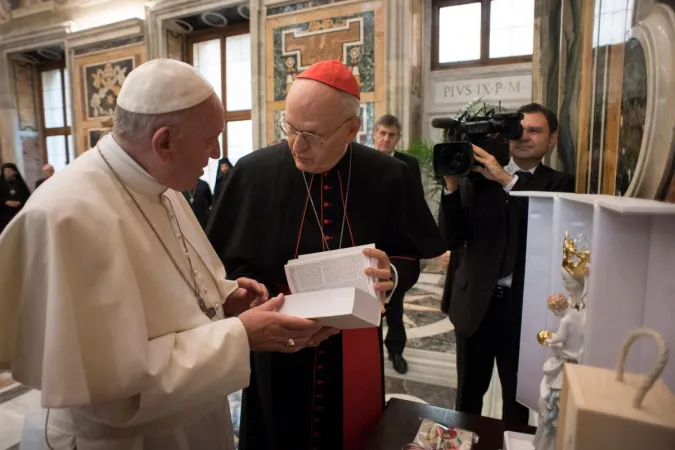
[(656, 370)]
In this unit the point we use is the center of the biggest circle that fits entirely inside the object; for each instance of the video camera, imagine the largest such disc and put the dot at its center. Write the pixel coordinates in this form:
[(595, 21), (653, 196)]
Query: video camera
[(490, 132)]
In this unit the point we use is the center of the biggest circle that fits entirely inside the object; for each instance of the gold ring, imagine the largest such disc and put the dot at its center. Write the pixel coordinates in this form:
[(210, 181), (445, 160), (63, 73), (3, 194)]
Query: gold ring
[(290, 343)]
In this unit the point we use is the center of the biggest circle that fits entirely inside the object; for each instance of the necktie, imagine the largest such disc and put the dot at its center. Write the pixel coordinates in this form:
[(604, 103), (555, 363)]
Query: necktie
[(524, 177), (512, 227)]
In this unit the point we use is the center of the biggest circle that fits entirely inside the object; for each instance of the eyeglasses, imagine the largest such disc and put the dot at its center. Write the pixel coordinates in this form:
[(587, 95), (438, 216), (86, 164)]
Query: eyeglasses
[(311, 139)]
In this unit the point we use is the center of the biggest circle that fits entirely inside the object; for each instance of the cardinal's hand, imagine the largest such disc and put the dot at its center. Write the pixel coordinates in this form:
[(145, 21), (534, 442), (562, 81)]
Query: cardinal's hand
[(382, 274)]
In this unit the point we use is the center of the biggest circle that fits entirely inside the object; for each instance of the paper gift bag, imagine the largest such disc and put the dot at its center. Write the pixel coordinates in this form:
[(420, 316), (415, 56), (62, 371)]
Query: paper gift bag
[(607, 409)]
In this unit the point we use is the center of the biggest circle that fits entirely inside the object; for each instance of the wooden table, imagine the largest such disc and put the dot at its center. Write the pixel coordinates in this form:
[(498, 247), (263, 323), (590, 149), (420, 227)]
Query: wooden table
[(402, 419)]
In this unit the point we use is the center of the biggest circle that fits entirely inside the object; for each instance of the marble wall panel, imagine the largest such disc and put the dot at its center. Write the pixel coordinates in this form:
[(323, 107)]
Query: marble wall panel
[(175, 45), (633, 114), (568, 86), (612, 125), (546, 54), (26, 90)]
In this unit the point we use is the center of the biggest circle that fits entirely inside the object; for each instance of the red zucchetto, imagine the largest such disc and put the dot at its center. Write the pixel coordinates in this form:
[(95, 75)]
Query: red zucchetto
[(334, 74)]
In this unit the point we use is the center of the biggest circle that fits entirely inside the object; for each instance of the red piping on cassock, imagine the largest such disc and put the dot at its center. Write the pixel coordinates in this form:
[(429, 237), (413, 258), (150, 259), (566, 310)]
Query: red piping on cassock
[(361, 377), (403, 257)]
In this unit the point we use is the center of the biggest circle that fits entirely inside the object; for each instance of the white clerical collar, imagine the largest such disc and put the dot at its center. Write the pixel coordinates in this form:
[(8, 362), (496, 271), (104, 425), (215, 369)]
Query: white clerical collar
[(132, 174), (512, 168)]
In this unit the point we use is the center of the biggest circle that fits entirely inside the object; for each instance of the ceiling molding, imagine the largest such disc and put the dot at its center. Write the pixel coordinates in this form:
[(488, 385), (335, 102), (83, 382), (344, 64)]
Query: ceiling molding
[(125, 28), (35, 37)]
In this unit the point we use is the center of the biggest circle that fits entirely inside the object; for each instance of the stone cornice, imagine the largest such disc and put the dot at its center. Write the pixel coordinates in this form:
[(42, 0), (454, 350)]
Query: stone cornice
[(28, 39), (125, 28)]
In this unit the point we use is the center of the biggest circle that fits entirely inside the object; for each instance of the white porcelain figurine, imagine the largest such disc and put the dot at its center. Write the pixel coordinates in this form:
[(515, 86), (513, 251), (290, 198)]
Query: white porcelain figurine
[(566, 343)]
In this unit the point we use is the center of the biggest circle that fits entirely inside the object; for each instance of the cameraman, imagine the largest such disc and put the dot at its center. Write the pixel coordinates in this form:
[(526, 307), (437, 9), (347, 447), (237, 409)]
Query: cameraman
[(487, 292)]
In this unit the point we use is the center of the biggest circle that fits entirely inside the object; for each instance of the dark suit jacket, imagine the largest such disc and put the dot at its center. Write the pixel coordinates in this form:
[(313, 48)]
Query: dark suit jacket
[(412, 162), (482, 219), (201, 205)]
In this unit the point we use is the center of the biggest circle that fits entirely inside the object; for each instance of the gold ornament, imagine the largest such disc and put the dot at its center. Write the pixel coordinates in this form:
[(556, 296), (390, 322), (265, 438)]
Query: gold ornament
[(543, 336), (575, 261)]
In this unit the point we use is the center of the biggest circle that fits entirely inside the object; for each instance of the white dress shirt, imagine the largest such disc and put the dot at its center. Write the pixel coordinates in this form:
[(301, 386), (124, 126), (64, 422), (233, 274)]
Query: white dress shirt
[(512, 168)]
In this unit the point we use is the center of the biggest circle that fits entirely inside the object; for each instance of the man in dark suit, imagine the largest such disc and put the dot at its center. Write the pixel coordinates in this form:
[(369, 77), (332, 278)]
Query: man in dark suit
[(487, 290), (387, 134), (200, 200)]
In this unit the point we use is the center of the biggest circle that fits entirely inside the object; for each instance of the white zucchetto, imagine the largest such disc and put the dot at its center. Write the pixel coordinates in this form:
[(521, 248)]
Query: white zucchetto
[(162, 86)]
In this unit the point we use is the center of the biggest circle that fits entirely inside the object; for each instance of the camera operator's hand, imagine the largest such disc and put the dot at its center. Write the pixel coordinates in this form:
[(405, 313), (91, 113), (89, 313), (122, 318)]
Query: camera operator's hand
[(451, 182), (491, 169)]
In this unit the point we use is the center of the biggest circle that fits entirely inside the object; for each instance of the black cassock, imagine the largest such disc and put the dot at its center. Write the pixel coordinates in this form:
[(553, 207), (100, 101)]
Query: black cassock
[(330, 396)]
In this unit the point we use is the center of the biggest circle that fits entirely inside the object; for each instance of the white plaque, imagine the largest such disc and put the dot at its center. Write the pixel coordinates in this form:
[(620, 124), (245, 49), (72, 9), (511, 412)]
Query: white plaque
[(494, 89)]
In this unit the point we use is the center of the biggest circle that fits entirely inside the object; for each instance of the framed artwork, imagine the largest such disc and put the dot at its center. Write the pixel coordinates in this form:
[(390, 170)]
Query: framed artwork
[(351, 33), (97, 80), (102, 84), (95, 134)]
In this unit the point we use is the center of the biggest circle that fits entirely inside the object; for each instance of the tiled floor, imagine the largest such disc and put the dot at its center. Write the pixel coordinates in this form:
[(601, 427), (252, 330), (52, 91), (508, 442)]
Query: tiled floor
[(430, 352)]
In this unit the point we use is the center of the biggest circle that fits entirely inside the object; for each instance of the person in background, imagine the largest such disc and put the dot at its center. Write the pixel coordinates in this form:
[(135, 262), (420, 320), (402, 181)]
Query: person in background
[(114, 306), (311, 194), (387, 133), (489, 227), (224, 167), (14, 193), (48, 172), (200, 200)]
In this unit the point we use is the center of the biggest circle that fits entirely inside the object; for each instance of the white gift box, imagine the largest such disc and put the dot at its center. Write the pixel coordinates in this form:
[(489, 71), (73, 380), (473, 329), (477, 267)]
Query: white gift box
[(631, 281), (518, 441), (343, 308)]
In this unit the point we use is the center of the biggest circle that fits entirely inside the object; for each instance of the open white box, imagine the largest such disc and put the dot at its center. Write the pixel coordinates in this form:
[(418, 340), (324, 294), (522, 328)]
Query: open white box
[(342, 308), (518, 441), (631, 282)]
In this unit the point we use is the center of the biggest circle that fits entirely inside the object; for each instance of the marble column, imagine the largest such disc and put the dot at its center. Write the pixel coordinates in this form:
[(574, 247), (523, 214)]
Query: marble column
[(574, 87), (546, 52), (545, 57), (258, 109), (399, 51), (570, 91)]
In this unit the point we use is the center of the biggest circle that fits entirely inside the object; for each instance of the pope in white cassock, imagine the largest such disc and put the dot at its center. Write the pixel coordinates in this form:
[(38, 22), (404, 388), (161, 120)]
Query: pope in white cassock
[(114, 305)]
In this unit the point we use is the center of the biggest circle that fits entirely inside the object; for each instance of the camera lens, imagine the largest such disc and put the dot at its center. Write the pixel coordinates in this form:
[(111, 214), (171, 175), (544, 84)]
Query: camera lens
[(453, 158)]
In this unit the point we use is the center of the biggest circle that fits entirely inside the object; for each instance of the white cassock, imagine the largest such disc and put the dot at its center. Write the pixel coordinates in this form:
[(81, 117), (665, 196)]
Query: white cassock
[(94, 314)]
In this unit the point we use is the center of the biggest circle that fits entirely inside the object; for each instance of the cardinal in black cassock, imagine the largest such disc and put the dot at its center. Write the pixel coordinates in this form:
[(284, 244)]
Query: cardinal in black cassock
[(320, 191)]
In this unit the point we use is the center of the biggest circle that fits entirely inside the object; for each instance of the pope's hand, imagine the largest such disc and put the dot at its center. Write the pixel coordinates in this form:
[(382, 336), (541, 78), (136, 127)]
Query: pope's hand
[(491, 169), (271, 331), (249, 294), (382, 273)]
